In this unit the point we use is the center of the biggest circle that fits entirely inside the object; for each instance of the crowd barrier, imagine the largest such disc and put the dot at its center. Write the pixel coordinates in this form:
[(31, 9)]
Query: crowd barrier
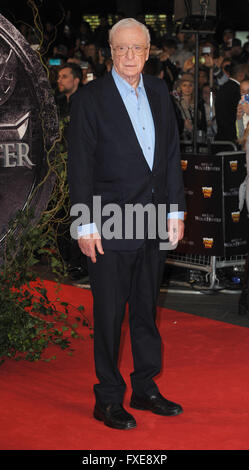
[(216, 231)]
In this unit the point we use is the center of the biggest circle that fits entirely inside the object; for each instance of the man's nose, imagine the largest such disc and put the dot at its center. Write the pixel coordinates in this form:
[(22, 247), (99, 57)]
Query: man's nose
[(130, 52)]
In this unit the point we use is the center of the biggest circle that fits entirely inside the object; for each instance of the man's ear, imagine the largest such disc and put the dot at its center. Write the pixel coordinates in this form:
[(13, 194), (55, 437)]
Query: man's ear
[(148, 53), (111, 51)]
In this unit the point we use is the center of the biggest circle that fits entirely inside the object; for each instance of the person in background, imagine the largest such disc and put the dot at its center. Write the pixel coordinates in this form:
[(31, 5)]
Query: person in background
[(68, 82), (236, 48), (77, 51), (211, 126), (245, 52), (243, 109), (226, 66), (227, 99), (87, 73), (95, 57), (243, 304), (227, 37), (209, 60), (49, 38), (184, 99), (66, 31), (53, 62), (203, 77), (170, 70), (100, 37), (59, 51), (153, 66), (84, 33), (184, 50)]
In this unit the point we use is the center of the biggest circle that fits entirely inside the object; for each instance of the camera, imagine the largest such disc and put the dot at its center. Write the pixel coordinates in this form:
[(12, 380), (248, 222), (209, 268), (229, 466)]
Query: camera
[(55, 61), (206, 50), (89, 77), (201, 60)]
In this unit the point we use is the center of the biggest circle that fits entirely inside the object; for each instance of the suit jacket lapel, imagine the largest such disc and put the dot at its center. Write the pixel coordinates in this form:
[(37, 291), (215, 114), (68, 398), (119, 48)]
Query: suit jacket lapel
[(119, 109), (125, 123)]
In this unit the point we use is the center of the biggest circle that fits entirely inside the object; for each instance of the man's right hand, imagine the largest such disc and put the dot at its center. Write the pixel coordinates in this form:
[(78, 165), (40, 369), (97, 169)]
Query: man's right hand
[(88, 245)]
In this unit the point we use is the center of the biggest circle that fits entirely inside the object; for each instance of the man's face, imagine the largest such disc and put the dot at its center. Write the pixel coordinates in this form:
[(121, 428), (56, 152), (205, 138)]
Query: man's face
[(90, 50), (202, 77), (206, 94), (228, 37), (66, 81), (129, 65)]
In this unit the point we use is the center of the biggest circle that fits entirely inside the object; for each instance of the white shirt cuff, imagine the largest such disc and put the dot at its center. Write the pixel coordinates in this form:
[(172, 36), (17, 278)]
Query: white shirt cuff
[(87, 229), (176, 215)]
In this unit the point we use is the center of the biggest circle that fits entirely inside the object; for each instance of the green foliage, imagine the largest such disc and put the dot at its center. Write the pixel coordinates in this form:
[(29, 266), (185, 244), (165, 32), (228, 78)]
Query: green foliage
[(29, 321)]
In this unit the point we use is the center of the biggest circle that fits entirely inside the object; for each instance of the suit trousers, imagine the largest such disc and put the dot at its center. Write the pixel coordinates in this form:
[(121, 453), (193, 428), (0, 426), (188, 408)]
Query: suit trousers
[(116, 278)]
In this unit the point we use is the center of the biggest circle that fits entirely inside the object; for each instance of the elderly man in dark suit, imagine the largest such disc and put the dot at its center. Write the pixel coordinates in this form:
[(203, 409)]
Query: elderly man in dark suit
[(124, 149)]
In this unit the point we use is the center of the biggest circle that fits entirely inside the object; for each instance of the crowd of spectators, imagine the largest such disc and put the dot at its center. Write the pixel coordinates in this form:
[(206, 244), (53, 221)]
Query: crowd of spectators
[(77, 55)]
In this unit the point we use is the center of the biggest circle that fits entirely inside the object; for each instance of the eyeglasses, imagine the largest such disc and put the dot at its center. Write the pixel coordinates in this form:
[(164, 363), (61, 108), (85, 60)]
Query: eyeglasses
[(122, 50)]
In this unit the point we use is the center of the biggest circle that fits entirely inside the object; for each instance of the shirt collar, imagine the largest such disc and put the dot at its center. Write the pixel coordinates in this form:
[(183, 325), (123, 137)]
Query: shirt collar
[(124, 87)]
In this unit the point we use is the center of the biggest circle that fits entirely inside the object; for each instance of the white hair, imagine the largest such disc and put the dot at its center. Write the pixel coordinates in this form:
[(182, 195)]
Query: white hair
[(129, 23)]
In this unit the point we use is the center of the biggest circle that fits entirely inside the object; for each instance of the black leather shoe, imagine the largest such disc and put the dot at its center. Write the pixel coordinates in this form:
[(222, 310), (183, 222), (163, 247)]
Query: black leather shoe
[(114, 416), (157, 404)]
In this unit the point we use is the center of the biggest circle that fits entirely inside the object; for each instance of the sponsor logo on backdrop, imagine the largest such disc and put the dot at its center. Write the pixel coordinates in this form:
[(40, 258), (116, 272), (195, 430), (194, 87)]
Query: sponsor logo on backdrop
[(235, 216), (184, 241), (207, 191), (188, 192), (208, 242), (184, 164), (233, 165), (204, 166), (207, 218), (235, 243), (231, 192)]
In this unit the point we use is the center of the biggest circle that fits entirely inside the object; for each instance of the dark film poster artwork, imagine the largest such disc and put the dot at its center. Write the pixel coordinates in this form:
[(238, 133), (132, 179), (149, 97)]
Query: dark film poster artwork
[(28, 125)]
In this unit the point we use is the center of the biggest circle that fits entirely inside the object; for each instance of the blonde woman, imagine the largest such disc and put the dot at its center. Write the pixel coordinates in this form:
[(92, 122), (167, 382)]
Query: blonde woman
[(185, 103)]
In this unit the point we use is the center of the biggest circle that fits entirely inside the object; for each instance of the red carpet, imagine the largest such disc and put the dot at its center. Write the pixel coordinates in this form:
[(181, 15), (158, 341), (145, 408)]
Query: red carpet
[(49, 405)]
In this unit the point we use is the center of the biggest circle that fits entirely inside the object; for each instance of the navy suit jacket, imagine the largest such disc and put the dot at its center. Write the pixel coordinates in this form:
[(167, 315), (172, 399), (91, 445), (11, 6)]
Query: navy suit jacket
[(226, 102), (105, 158)]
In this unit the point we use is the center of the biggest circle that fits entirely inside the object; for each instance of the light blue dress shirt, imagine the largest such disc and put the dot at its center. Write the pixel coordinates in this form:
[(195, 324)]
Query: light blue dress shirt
[(138, 108)]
